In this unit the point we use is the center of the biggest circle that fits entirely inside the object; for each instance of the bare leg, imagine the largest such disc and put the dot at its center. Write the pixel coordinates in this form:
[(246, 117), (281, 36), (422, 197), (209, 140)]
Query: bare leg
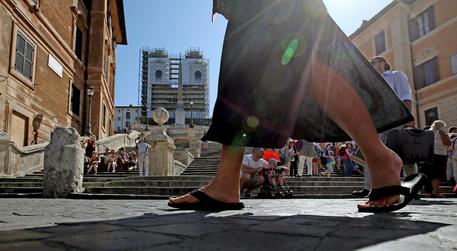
[(347, 109), (226, 185), (436, 187)]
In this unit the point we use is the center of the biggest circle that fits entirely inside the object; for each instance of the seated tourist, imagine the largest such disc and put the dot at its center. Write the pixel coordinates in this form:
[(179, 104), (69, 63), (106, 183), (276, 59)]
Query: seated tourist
[(93, 163), (122, 159), (251, 169), (133, 161), (111, 161)]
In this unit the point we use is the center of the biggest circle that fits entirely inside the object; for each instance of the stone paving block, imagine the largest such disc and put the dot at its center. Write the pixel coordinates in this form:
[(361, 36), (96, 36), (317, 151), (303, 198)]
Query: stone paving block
[(344, 244), (241, 240), (380, 233), (156, 220), (289, 229), (120, 240), (85, 228), (28, 246), (190, 230), (15, 236)]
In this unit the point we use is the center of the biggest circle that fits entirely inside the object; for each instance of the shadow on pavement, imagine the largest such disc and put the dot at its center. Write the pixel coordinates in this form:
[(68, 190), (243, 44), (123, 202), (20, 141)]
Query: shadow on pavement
[(204, 231), (433, 202)]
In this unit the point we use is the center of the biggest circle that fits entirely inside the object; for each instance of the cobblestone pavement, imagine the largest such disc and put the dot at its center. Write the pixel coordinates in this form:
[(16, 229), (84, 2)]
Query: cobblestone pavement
[(298, 224)]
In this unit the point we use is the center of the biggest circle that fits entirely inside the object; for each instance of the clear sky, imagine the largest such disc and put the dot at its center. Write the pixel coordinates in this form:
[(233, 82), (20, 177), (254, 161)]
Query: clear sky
[(178, 25)]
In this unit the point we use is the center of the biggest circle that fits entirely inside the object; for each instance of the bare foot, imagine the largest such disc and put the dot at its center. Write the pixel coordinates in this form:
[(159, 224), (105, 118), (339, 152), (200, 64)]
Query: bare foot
[(216, 190), (385, 171)]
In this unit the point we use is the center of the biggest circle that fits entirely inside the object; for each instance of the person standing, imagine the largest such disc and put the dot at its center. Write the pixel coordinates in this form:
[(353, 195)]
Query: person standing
[(452, 161), (398, 82), (437, 169), (306, 156), (143, 156)]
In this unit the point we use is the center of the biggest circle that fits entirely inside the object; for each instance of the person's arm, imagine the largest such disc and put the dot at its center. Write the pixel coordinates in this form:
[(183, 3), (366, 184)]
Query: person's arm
[(445, 138), (348, 152), (248, 169)]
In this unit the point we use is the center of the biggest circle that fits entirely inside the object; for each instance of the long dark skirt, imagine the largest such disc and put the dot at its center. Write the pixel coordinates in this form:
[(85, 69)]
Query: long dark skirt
[(263, 96)]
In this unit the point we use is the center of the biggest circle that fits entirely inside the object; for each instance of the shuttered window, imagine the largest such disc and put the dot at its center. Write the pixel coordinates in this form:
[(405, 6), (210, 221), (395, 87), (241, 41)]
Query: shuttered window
[(422, 24), (426, 74), (24, 56)]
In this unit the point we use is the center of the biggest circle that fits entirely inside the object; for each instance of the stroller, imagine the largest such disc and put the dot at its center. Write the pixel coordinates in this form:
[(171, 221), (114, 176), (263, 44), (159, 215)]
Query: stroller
[(268, 191)]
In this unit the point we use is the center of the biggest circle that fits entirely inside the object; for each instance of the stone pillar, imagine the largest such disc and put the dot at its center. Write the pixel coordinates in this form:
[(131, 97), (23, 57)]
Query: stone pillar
[(63, 164), (161, 154)]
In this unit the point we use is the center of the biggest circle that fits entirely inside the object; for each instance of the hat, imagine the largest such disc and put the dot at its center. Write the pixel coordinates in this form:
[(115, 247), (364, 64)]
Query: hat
[(273, 160)]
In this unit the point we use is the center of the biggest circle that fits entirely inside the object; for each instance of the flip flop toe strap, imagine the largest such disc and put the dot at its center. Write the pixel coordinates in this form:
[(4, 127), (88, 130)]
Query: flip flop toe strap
[(203, 197), (379, 193)]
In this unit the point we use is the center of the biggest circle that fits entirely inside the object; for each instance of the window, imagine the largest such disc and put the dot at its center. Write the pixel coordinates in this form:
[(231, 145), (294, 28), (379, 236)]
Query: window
[(198, 77), (158, 76), (127, 115), (79, 43), (24, 56), (454, 64), (75, 99), (380, 43), (431, 115), (127, 124), (104, 116), (118, 118), (422, 24), (105, 66), (426, 74)]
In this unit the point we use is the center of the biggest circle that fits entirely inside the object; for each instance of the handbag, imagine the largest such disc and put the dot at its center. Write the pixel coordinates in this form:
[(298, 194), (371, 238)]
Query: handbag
[(412, 145)]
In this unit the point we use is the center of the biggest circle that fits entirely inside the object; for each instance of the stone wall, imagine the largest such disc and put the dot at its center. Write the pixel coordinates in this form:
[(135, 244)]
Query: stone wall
[(17, 161), (117, 141)]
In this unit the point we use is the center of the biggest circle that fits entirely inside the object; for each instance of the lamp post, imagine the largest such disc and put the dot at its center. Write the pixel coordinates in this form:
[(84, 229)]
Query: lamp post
[(90, 93), (191, 114)]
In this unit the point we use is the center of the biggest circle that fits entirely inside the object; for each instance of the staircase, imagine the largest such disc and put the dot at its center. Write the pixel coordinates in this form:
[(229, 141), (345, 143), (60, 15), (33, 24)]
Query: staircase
[(125, 185)]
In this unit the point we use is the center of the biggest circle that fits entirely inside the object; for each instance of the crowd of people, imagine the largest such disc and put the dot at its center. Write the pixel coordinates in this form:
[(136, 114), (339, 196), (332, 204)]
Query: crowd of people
[(116, 161)]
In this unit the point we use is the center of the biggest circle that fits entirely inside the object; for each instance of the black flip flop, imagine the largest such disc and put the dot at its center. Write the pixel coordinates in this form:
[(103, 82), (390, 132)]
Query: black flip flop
[(408, 190), (206, 203)]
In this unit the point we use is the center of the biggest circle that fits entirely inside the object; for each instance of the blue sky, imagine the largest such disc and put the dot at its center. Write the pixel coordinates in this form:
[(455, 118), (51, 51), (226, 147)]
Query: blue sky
[(178, 25)]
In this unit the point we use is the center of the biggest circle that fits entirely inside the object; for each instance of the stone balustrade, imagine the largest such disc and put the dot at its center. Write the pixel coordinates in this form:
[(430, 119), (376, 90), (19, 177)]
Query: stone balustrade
[(17, 161)]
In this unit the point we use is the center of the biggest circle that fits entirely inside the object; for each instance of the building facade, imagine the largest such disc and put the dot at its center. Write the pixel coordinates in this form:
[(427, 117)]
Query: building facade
[(52, 53), (160, 78), (125, 116), (419, 38)]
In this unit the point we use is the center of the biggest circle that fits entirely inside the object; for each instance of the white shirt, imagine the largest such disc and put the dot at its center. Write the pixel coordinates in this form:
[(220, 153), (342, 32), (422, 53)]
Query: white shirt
[(398, 81), (250, 162), (439, 148)]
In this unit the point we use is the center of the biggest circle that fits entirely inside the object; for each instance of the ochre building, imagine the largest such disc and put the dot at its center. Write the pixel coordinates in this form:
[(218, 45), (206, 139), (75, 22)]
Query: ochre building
[(419, 37), (52, 54)]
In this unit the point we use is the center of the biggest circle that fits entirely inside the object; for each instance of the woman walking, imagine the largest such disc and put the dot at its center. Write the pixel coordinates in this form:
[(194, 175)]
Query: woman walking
[(278, 51)]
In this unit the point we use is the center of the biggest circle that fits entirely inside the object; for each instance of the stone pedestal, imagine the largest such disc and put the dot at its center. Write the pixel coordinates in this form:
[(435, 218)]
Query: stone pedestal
[(180, 118), (161, 154), (63, 164)]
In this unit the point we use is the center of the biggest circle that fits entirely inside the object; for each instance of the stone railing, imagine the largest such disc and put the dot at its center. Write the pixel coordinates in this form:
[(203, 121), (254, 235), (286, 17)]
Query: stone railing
[(117, 141), (184, 156), (18, 161), (178, 168)]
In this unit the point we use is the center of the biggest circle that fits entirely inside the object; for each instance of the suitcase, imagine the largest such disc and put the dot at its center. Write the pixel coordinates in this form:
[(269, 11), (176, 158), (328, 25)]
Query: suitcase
[(412, 145)]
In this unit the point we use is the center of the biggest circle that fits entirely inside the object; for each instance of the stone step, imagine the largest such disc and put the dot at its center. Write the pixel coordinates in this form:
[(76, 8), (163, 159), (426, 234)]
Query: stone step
[(21, 195), (21, 189), (171, 191), (20, 184)]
